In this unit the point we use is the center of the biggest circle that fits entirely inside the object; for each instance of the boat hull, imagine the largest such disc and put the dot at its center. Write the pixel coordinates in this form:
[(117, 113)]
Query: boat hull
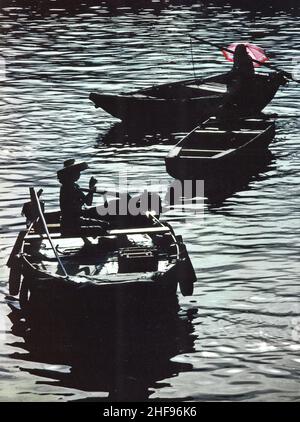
[(242, 160), (156, 111), (54, 297), (126, 270), (160, 109)]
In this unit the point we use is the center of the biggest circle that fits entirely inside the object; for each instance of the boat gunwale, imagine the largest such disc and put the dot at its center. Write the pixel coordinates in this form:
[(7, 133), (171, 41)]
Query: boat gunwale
[(269, 128), (157, 276)]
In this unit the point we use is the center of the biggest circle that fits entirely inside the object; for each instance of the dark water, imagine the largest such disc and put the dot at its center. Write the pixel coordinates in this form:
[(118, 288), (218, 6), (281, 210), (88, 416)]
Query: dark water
[(238, 337)]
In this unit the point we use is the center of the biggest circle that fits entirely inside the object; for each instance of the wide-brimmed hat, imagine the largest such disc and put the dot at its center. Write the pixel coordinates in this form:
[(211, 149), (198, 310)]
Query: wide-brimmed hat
[(71, 167)]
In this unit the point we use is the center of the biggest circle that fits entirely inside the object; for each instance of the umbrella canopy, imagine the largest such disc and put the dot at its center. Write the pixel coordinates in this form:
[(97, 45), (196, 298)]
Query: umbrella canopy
[(253, 51)]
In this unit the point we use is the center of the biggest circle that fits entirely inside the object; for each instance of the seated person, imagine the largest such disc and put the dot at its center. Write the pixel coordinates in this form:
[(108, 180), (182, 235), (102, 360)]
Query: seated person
[(72, 198)]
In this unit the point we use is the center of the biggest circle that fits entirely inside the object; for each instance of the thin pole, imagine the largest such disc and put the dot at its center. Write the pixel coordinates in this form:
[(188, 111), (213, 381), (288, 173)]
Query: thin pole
[(156, 220), (192, 56), (36, 202)]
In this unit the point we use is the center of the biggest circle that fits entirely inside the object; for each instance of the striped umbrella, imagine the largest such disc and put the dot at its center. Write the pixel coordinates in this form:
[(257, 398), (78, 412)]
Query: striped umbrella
[(255, 52)]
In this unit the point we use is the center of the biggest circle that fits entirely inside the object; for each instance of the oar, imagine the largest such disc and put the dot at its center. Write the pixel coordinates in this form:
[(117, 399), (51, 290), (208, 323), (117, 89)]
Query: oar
[(102, 192), (263, 117), (272, 67), (283, 116), (156, 221), (35, 201)]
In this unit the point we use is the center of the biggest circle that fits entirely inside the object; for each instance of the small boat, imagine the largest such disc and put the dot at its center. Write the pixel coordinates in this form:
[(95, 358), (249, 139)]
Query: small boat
[(185, 103), (219, 148), (137, 263), (266, 5)]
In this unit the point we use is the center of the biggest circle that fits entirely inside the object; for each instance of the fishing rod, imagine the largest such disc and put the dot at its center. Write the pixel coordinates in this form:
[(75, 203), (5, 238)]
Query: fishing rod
[(288, 75)]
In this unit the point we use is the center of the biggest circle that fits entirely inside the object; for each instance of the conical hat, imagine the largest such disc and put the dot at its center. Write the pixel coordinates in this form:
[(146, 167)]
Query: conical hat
[(71, 167)]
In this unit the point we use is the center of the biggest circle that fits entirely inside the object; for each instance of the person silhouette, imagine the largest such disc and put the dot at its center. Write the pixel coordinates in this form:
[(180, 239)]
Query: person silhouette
[(243, 67), (239, 85), (72, 198)]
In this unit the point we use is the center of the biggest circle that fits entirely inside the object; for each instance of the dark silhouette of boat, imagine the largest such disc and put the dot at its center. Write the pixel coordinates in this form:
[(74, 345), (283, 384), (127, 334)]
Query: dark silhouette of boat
[(186, 103), (122, 360), (218, 147), (135, 265), (263, 6)]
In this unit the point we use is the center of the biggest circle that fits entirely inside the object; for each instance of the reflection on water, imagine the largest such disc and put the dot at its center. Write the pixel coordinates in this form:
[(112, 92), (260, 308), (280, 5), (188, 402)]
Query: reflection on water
[(121, 134), (156, 6), (216, 188), (245, 249), (125, 359), (219, 188), (266, 6)]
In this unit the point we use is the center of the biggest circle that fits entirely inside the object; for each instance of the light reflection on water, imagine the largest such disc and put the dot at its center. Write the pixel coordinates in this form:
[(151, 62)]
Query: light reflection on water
[(240, 345)]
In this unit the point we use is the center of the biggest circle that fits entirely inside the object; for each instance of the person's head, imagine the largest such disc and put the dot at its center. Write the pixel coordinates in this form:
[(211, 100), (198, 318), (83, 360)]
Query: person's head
[(240, 51), (68, 178), (71, 171)]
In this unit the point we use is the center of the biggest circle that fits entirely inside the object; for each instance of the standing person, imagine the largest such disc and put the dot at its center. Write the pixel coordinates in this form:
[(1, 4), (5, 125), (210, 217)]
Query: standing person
[(239, 85), (243, 67)]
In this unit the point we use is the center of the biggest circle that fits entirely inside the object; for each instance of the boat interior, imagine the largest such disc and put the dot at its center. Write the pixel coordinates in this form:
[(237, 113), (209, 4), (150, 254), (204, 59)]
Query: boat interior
[(111, 257), (212, 86), (208, 144), (243, 125), (184, 91), (215, 138)]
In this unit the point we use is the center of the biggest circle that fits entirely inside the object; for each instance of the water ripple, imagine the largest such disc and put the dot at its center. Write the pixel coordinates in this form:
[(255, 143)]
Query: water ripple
[(243, 343)]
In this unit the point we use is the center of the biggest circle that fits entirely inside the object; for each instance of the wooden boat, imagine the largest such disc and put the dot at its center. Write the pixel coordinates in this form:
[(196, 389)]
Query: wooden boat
[(138, 262), (266, 5), (217, 148), (185, 103)]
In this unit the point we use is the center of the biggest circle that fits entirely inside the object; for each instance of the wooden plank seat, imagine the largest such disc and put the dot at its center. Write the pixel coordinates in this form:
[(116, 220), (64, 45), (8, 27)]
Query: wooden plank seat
[(144, 96), (205, 153), (201, 150), (213, 87), (113, 232), (200, 153), (223, 132), (216, 129)]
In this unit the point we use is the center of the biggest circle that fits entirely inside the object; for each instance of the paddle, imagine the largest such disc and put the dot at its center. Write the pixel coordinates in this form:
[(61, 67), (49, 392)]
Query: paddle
[(36, 203), (283, 116), (102, 192), (288, 75), (265, 117)]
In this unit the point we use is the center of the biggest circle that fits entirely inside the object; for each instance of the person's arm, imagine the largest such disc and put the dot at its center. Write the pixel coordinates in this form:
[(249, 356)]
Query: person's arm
[(92, 189), (89, 198)]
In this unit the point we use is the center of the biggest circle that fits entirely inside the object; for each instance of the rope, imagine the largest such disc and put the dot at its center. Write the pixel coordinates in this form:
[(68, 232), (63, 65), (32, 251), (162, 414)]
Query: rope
[(192, 56)]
